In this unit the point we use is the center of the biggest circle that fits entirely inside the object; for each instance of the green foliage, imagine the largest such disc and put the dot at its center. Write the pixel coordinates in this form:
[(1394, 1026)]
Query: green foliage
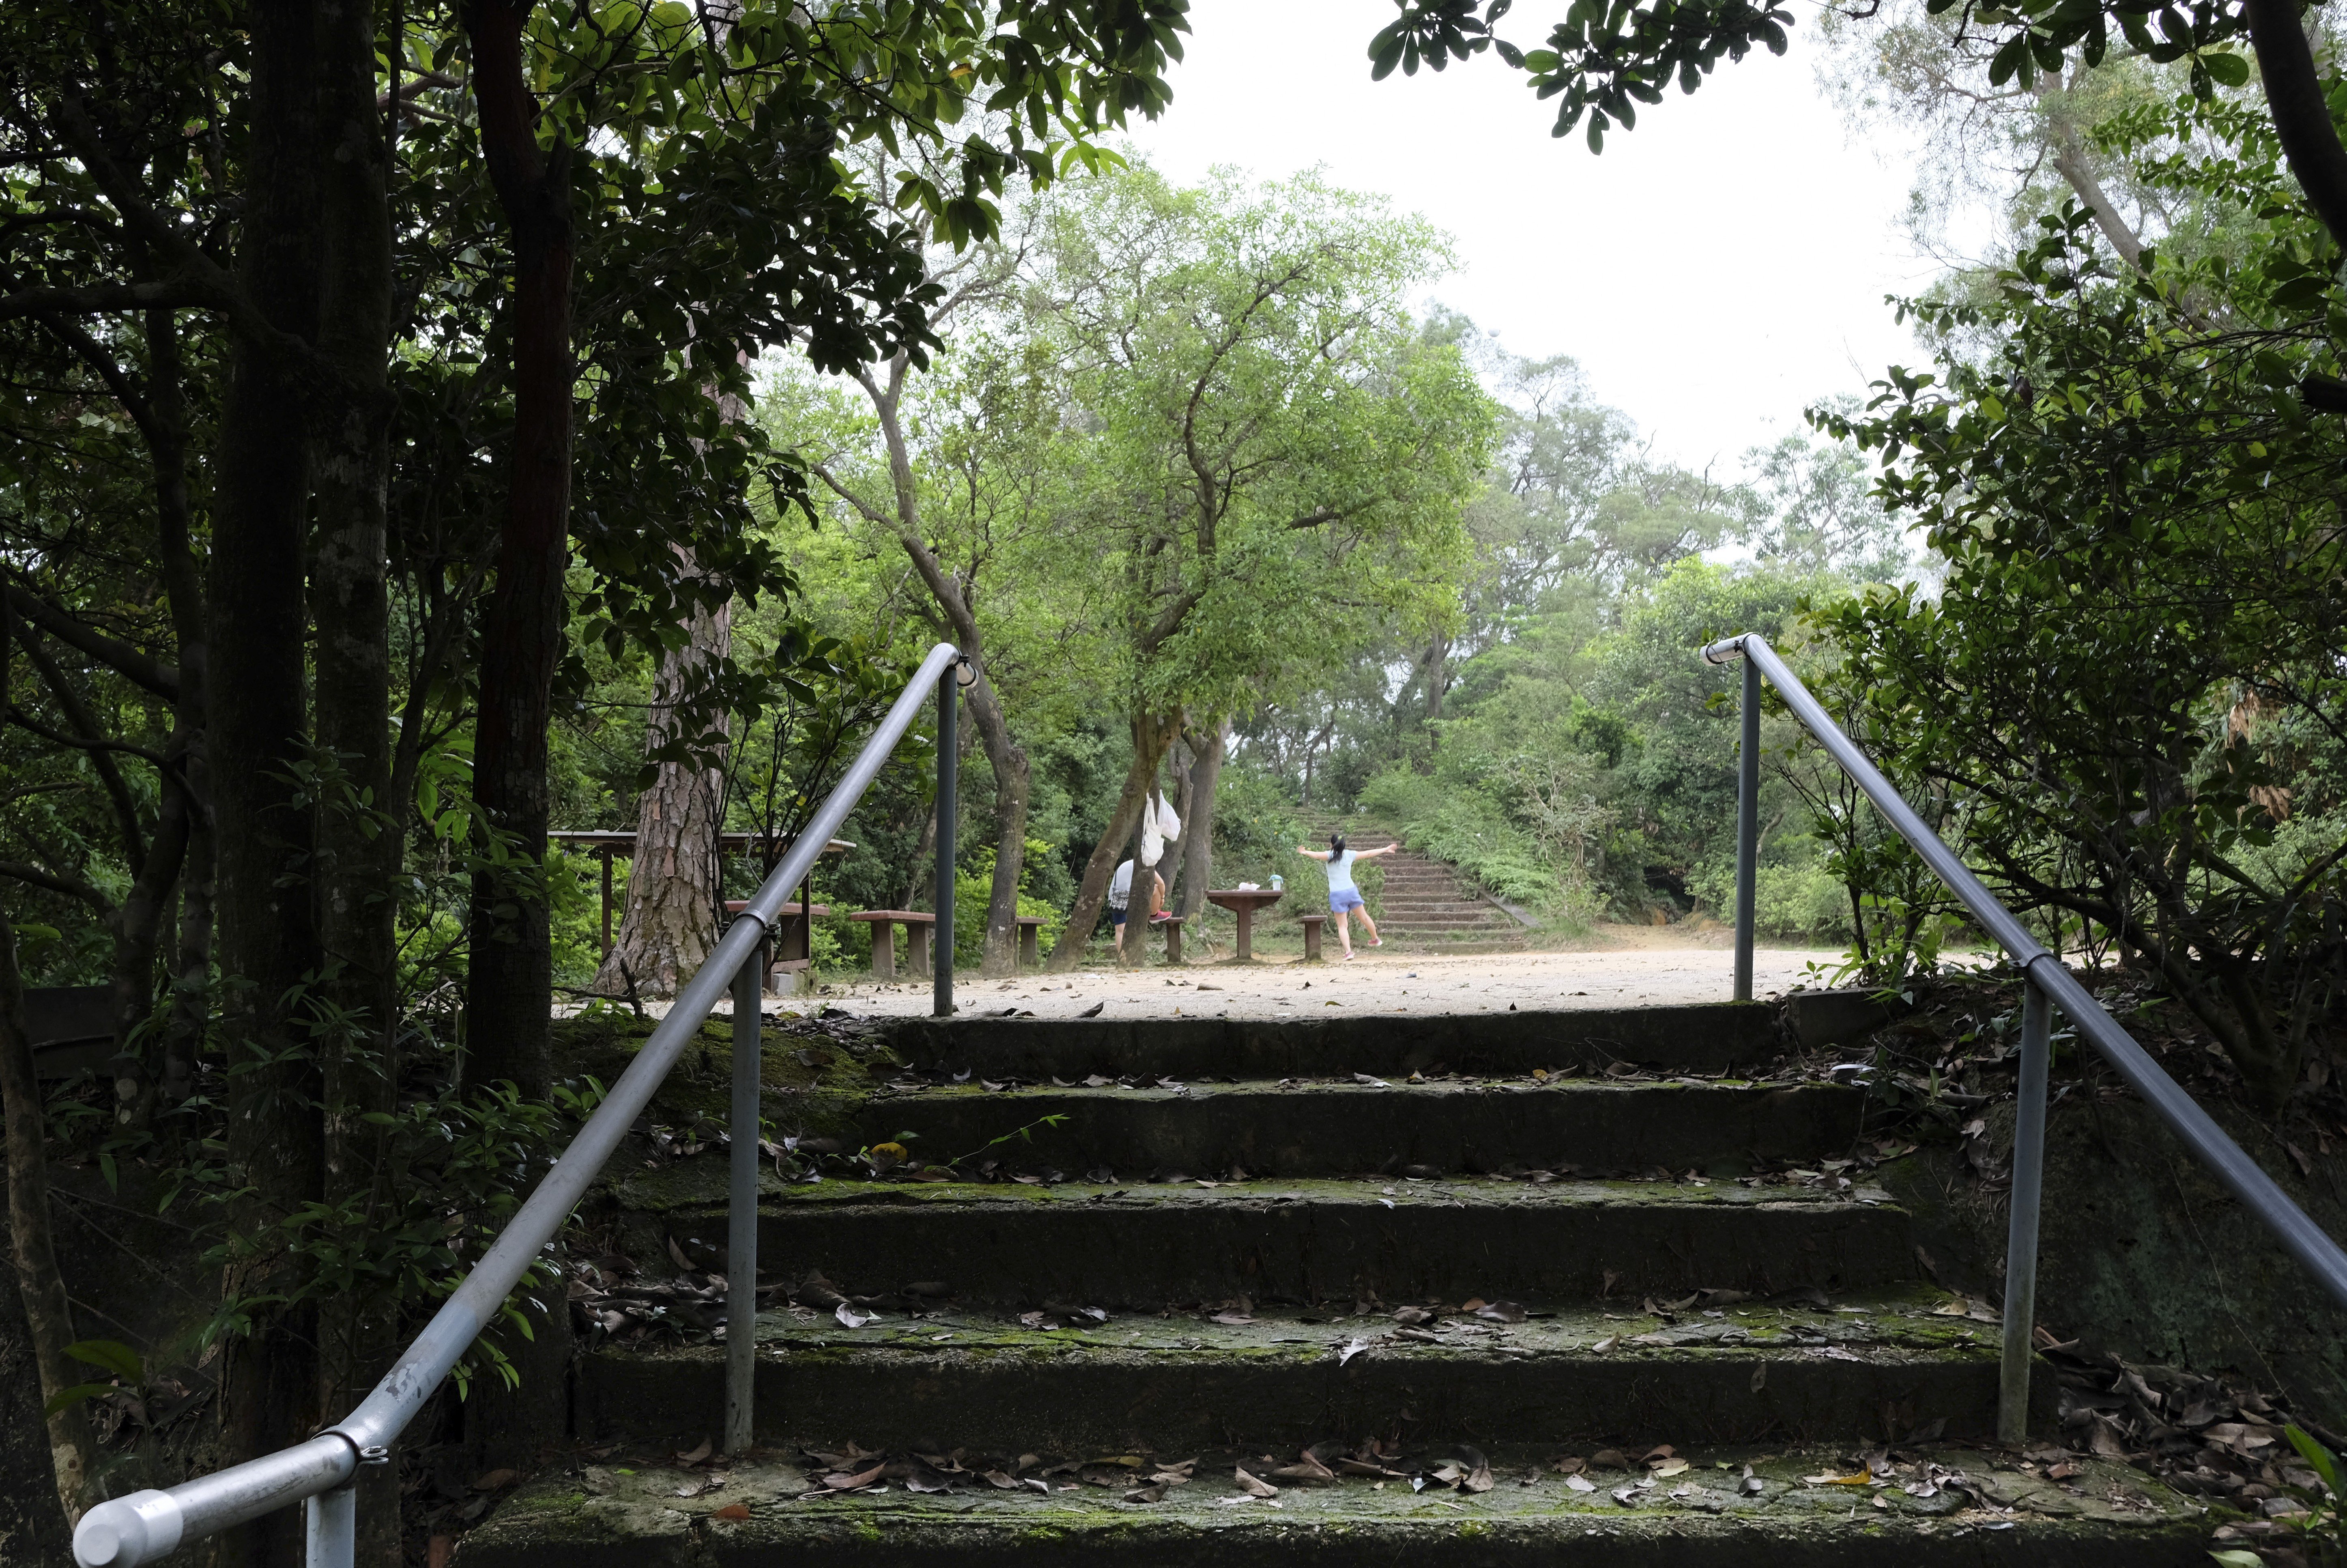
[(2126, 702), (974, 886)]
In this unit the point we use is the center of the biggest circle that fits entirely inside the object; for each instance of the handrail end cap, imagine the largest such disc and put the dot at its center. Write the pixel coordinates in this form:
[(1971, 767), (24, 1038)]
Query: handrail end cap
[(128, 1531)]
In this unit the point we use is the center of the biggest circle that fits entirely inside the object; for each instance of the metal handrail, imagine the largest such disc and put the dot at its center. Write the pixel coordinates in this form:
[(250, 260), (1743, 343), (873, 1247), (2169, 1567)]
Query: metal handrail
[(2048, 981), (145, 1525)]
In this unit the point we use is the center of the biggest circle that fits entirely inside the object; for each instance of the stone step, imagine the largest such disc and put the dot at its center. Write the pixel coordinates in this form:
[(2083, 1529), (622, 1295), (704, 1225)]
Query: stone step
[(1704, 1038), (1332, 1129), (1139, 1244), (626, 1512), (957, 1377)]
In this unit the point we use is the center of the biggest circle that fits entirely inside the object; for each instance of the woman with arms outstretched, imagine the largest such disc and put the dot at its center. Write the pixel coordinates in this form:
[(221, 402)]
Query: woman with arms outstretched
[(1344, 899)]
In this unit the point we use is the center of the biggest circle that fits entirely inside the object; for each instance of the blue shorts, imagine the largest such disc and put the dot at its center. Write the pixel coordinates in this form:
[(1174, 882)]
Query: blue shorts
[(1115, 915), (1349, 899)]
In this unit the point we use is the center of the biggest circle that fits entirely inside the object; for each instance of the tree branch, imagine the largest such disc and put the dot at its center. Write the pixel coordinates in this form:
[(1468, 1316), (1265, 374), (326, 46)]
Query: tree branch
[(140, 669)]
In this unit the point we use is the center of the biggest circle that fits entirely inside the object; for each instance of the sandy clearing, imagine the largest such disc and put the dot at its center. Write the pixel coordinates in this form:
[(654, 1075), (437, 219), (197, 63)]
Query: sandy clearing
[(1637, 965)]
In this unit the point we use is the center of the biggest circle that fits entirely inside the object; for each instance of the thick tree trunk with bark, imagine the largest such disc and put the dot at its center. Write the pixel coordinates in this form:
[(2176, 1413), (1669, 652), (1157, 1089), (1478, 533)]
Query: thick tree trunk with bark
[(358, 822), (47, 1314), (1152, 734), (510, 990), (267, 934), (673, 882), (1198, 818), (511, 979)]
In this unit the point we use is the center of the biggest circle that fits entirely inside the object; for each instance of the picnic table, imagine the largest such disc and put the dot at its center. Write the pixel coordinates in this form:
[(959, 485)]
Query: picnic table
[(884, 924), (1244, 902), (1030, 939)]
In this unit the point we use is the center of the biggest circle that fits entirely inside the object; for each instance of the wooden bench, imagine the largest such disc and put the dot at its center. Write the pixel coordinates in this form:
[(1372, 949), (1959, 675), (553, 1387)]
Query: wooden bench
[(1312, 923), (1030, 939), (884, 924)]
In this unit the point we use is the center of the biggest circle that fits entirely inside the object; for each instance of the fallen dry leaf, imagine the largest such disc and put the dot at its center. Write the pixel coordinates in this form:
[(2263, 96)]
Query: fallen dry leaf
[(1664, 1469), (736, 1512), (1610, 1459), (1501, 1312), (497, 1479), (851, 1319), (1350, 1348), (850, 1483), (1304, 1469), (1569, 1464), (1252, 1486), (1580, 1483), (1145, 1493), (1857, 1478), (438, 1551), (1233, 1318)]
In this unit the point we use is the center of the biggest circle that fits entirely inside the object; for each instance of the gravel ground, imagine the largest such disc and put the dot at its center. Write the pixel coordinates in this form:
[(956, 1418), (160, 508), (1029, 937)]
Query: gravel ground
[(1634, 966)]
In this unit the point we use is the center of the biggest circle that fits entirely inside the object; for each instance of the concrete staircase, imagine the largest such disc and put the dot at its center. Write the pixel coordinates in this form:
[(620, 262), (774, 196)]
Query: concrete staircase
[(1419, 905), (1534, 1289)]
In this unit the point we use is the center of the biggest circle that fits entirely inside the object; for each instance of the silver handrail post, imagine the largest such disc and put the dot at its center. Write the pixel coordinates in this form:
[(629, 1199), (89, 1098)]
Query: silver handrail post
[(333, 1520), (1747, 831), (741, 1206), (2021, 1232), (949, 760)]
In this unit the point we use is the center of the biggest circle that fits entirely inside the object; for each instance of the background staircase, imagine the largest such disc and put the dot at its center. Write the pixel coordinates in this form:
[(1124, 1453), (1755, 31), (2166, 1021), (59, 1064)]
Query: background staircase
[(1567, 1288), (1419, 905)]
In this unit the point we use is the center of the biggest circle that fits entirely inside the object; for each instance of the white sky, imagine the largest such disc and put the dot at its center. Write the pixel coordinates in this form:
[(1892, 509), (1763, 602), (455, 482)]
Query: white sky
[(1718, 268)]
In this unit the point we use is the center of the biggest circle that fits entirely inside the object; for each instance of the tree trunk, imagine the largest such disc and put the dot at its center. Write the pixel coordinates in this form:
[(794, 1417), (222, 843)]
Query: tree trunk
[(1198, 820), (2301, 112), (48, 1315), (358, 824), (510, 993), (1013, 783), (1152, 734), (1012, 776), (674, 889), (138, 927), (510, 984), (267, 935), (167, 437)]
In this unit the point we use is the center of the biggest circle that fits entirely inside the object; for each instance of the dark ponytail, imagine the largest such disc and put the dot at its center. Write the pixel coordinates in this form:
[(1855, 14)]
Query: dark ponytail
[(1335, 847)]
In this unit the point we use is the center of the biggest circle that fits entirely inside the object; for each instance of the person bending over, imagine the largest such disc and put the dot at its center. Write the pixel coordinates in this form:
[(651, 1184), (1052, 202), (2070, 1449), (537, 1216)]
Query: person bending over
[(1344, 899), (1120, 899)]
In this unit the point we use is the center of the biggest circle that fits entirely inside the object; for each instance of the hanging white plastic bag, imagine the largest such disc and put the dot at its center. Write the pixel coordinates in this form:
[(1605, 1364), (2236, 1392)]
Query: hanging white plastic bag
[(1169, 821)]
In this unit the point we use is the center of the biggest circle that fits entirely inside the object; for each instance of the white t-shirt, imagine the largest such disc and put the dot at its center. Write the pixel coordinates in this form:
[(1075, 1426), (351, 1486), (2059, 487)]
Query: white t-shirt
[(1120, 887), (1340, 872)]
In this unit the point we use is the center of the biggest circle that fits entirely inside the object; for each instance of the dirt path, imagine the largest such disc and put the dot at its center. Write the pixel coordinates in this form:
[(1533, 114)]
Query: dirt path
[(1637, 965)]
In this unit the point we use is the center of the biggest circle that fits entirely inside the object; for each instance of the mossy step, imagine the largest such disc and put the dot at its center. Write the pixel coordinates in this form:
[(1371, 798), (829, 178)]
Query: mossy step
[(625, 1513), (1743, 1371), (1704, 1038), (1303, 1241), (1383, 1126)]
